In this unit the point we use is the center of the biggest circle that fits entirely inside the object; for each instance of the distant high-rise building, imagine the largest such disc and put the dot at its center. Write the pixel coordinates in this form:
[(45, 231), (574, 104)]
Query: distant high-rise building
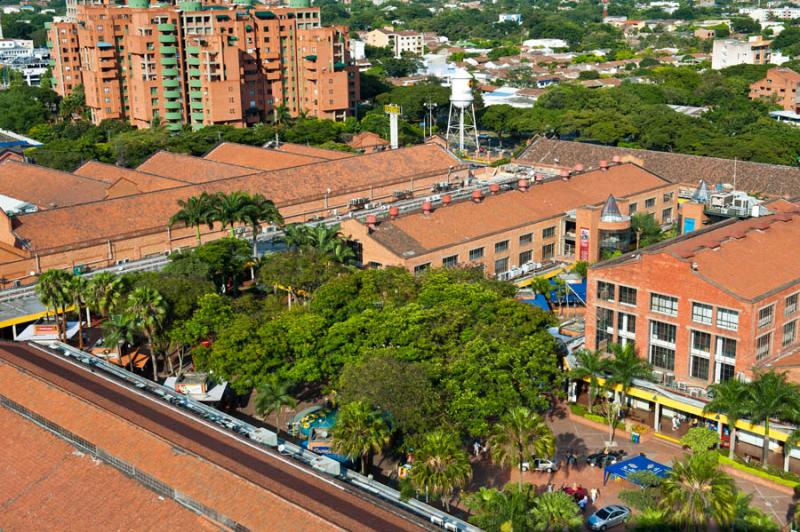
[(202, 63)]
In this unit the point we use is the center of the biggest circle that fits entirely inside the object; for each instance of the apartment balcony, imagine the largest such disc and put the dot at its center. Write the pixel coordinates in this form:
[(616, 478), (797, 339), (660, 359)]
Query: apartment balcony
[(172, 115), (196, 105), (172, 94), (273, 76), (171, 83), (174, 126), (168, 50), (194, 72), (165, 27), (169, 61), (170, 72), (195, 83), (198, 117), (193, 61), (173, 105), (108, 74), (196, 95), (192, 49), (166, 39)]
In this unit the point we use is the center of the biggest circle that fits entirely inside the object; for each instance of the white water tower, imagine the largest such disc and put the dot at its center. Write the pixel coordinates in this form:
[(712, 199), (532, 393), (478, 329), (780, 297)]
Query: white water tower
[(461, 121)]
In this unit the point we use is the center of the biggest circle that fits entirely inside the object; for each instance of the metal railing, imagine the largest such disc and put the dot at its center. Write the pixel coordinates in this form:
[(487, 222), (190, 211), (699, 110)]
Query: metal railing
[(265, 438)]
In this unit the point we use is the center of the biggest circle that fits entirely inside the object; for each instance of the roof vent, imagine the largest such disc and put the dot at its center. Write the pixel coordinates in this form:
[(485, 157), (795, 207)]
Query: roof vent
[(522, 184), (694, 266), (565, 174), (494, 188), (538, 178), (603, 165), (579, 167), (447, 199), (477, 196), (616, 159), (427, 207), (372, 222), (394, 212)]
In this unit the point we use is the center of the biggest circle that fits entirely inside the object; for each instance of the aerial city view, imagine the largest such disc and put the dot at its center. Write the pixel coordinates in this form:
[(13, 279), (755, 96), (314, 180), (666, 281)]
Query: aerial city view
[(458, 265)]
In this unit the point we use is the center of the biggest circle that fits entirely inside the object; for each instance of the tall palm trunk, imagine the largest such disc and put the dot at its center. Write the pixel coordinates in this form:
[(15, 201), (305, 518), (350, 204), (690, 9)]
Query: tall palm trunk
[(765, 448), (732, 446), (787, 456), (197, 228), (80, 326), (153, 357)]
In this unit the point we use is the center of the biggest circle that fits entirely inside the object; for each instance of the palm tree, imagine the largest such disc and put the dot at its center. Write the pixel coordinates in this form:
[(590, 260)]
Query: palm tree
[(228, 209), (441, 466), (296, 236), (51, 289), (76, 290), (556, 511), (273, 395), (103, 292), (519, 435), (646, 229), (359, 431), (148, 310), (623, 368), (696, 491), (501, 510), (120, 330), (194, 212), (751, 519), (258, 210), (771, 396), (590, 365), (730, 399), (281, 116), (543, 286)]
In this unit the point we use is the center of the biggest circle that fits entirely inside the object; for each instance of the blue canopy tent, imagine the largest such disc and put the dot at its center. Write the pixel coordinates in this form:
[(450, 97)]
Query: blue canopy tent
[(634, 465)]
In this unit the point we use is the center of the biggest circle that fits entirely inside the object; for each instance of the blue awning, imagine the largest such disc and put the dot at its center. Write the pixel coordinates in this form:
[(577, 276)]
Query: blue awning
[(633, 465), (538, 301)]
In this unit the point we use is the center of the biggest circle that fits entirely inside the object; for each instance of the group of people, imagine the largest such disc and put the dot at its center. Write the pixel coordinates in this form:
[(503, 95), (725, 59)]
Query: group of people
[(479, 449), (579, 493)]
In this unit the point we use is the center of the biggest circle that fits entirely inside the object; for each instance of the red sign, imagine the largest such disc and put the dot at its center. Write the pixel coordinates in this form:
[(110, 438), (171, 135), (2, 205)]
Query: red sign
[(584, 237)]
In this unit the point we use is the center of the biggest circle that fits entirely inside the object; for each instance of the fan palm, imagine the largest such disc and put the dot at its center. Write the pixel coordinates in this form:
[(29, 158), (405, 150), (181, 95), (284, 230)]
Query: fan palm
[(296, 236), (148, 310), (556, 511), (496, 510), (257, 211), (623, 368), (272, 395), (194, 212), (590, 365), (731, 400), (51, 289), (520, 434), (359, 431), (103, 292), (771, 396), (750, 518), (120, 330), (441, 466), (696, 491)]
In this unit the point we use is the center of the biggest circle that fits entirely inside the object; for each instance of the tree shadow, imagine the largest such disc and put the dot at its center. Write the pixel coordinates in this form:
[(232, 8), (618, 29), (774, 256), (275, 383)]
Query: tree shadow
[(567, 442), (559, 411)]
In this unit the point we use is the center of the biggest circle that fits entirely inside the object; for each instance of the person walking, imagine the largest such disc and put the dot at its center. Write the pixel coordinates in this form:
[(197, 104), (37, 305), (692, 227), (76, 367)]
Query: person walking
[(594, 493), (476, 447), (583, 503)]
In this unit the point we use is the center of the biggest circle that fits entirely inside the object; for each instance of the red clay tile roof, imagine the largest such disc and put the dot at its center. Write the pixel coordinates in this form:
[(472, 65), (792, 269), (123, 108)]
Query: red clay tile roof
[(111, 174), (464, 221), (312, 151), (47, 188), (152, 211), (675, 167), (747, 258), (191, 169), (367, 139), (47, 484), (255, 157)]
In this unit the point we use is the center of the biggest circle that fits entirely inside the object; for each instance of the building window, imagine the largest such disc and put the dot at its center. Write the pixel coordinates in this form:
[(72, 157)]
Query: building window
[(525, 257), (789, 333), (726, 372), (649, 203), (627, 323), (667, 197), (525, 239), (475, 254), (422, 268), (701, 342), (726, 347), (728, 319), (762, 345), (662, 357), (605, 291), (449, 262), (662, 332), (664, 304), (549, 232), (500, 247), (702, 313), (699, 369), (765, 316), (666, 216), (632, 208), (791, 305), (548, 251), (627, 295), (604, 328), (501, 265)]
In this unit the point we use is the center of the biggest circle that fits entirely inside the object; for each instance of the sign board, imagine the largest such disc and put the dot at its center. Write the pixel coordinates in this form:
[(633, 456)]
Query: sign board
[(392, 109), (584, 244)]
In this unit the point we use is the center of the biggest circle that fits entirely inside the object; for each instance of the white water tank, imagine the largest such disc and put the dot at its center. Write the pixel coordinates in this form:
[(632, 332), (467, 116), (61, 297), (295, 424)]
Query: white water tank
[(461, 92)]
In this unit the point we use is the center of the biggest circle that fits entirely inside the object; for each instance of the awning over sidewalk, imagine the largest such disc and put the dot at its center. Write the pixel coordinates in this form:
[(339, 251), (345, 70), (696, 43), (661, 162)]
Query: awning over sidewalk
[(633, 465)]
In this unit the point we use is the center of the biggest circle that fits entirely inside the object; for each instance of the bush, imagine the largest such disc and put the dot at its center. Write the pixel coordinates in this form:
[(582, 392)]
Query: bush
[(578, 409)]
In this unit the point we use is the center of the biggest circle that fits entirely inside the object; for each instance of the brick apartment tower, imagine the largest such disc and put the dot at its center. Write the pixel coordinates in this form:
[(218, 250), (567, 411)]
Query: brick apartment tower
[(202, 63)]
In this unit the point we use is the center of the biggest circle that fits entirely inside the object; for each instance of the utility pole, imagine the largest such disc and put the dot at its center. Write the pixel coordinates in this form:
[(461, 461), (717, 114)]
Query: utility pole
[(430, 106)]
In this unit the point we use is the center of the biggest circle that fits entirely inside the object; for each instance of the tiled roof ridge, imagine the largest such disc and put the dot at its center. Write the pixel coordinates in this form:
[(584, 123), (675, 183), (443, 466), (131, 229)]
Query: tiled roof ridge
[(182, 154), (761, 225), (149, 174), (667, 153), (48, 169)]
